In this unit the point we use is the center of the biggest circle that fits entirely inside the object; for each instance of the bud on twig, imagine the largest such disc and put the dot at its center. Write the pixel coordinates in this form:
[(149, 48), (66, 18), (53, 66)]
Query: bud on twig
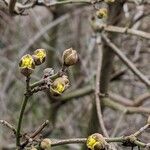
[(39, 56), (96, 142), (70, 57), (27, 65), (45, 144), (102, 13), (59, 85)]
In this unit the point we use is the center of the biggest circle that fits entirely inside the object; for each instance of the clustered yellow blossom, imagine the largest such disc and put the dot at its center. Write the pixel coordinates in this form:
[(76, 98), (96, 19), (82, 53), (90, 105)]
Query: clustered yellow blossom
[(58, 85), (28, 62)]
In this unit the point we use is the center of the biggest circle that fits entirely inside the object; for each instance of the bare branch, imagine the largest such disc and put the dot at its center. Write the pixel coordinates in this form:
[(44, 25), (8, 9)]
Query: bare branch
[(97, 87), (12, 6), (8, 125), (126, 30), (42, 126), (126, 61)]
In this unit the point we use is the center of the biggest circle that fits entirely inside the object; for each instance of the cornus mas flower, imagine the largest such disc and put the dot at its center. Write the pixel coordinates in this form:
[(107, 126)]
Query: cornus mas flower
[(27, 65), (69, 57), (59, 85), (96, 142), (102, 13), (39, 56)]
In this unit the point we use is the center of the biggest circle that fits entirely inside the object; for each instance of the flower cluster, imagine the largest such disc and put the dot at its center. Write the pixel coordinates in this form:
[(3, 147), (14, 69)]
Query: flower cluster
[(56, 83), (28, 62)]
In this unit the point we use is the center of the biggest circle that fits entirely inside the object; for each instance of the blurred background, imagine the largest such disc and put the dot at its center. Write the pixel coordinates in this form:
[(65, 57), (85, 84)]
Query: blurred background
[(56, 29)]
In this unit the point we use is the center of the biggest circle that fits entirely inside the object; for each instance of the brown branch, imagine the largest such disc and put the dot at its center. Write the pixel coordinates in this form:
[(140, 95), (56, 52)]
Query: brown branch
[(36, 132), (120, 99), (19, 8), (109, 140), (126, 61), (126, 30), (141, 130), (122, 106), (12, 6), (141, 99), (8, 125), (129, 110), (128, 102), (145, 2), (97, 89)]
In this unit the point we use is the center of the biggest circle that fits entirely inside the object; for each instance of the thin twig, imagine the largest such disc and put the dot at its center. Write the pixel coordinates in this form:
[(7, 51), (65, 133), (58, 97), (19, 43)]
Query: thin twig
[(126, 61), (141, 130), (8, 125), (26, 97), (126, 30), (12, 6), (141, 99), (20, 120), (36, 132), (97, 88), (83, 141)]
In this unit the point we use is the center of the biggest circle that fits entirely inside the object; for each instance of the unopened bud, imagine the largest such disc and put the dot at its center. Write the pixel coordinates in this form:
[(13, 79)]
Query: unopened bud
[(102, 13), (27, 65), (70, 57), (46, 144), (59, 85), (96, 142), (39, 56)]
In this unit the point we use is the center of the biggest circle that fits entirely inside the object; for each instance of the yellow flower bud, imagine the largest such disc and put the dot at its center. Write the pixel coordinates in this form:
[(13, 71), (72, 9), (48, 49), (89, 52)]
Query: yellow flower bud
[(39, 56), (45, 144), (70, 57), (102, 13), (109, 1), (27, 65), (96, 142), (59, 85)]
